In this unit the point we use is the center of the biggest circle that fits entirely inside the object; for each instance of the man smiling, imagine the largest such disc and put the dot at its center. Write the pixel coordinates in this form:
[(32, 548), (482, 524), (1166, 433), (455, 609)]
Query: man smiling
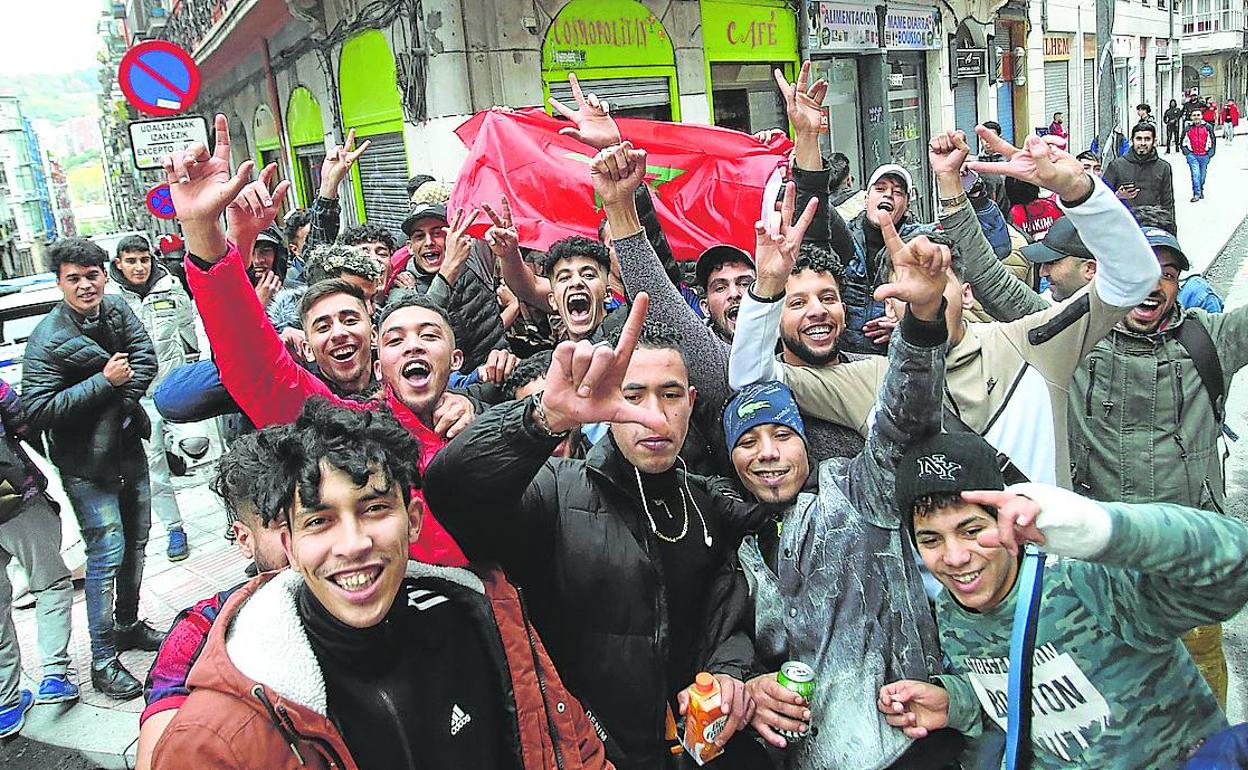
[(1130, 580), (414, 362), (339, 334), (444, 268), (356, 657), (87, 365), (844, 532)]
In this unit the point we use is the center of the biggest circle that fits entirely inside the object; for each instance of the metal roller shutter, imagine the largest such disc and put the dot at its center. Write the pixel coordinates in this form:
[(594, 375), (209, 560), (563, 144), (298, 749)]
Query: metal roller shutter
[(1005, 110), (1089, 101), (1057, 90), (383, 180), (619, 92), (1005, 91), (965, 107)]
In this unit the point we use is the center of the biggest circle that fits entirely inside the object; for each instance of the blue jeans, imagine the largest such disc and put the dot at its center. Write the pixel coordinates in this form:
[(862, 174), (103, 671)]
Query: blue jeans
[(1198, 164), (115, 519)]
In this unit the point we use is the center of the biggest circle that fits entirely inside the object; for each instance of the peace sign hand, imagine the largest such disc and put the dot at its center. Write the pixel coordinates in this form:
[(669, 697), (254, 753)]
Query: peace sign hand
[(337, 164), (255, 208), (458, 245), (503, 238), (200, 182), (776, 249), (583, 384), (592, 117), (1039, 161), (920, 272), (803, 99)]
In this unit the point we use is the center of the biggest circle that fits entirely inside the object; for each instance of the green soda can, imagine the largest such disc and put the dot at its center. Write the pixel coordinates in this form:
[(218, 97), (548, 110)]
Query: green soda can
[(799, 678)]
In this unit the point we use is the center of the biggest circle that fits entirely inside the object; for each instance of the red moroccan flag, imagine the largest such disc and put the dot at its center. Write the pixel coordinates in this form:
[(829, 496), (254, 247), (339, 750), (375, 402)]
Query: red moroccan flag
[(707, 183)]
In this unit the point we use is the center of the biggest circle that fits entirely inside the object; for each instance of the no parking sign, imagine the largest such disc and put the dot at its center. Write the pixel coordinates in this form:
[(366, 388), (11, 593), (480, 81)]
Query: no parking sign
[(158, 78), (160, 202)]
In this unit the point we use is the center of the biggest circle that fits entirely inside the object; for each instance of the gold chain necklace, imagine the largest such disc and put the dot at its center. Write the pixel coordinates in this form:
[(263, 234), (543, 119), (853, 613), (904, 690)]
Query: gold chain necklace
[(684, 506)]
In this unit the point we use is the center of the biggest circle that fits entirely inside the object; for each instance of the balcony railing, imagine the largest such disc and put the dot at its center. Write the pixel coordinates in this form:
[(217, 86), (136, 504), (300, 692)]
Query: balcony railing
[(1223, 20), (191, 21)]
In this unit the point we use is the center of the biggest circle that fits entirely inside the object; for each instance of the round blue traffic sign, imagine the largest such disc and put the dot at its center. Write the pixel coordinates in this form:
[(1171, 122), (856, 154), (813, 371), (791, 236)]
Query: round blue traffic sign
[(158, 78), (160, 202)]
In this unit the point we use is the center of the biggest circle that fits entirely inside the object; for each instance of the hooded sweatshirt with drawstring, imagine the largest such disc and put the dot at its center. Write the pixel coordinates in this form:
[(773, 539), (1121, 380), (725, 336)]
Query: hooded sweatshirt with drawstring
[(1150, 174)]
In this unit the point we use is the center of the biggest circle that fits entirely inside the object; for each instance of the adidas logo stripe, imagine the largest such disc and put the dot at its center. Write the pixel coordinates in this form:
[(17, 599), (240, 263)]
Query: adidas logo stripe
[(459, 719)]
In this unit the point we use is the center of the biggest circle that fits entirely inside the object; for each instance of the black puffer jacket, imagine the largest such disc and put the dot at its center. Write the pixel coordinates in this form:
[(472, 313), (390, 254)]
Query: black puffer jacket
[(473, 308), (93, 428), (572, 535)]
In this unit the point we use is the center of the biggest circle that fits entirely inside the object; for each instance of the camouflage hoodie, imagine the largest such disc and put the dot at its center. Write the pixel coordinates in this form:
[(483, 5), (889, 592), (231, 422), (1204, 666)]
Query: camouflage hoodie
[(1112, 684)]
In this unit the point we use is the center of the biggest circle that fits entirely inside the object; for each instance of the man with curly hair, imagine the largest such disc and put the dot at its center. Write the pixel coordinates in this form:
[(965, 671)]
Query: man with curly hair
[(358, 657)]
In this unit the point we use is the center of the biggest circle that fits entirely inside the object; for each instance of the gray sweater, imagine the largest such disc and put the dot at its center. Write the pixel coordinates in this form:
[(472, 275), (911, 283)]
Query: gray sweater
[(708, 358)]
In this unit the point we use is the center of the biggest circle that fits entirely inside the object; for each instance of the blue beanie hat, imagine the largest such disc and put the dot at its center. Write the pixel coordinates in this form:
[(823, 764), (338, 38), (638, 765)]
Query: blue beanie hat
[(763, 403)]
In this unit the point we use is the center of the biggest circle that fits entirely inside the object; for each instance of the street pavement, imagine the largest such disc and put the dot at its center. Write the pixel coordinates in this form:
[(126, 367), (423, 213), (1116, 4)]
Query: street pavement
[(104, 731)]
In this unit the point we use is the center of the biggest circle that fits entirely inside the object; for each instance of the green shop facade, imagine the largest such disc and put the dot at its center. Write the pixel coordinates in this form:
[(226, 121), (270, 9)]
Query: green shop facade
[(622, 52)]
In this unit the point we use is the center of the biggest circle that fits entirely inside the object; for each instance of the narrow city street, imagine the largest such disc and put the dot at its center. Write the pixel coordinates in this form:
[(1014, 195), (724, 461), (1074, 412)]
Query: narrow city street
[(99, 732)]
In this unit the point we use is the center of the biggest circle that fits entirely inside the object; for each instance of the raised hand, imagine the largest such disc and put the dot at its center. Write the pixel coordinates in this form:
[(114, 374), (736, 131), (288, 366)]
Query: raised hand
[(920, 272), (947, 152), (1039, 162), (775, 250), (498, 366), (592, 117), (337, 164), (803, 99), (583, 384), (767, 135), (200, 182), (502, 237), (1016, 520), (616, 172), (458, 245), (255, 207), (915, 707)]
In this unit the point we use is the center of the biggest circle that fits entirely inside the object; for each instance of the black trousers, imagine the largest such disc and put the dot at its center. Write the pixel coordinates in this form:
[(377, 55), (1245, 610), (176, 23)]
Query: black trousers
[(1172, 138)]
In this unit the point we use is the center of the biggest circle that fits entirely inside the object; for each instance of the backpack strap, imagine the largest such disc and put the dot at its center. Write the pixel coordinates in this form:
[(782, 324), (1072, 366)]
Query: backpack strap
[(1018, 745), (1195, 339)]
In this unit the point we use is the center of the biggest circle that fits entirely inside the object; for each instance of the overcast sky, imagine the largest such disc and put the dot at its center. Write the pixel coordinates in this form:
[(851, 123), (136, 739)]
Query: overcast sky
[(45, 36)]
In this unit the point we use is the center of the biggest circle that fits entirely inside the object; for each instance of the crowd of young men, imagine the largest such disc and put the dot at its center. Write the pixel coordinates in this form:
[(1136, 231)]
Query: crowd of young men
[(506, 507)]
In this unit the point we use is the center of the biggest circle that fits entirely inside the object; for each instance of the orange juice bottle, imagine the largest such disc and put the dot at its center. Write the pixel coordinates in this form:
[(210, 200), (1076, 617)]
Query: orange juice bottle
[(705, 719)]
